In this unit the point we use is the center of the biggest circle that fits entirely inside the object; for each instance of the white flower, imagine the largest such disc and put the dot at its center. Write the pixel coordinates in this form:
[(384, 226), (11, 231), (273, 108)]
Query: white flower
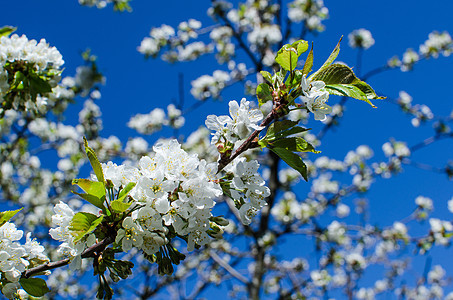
[(342, 210), (424, 202), (361, 38), (241, 124), (315, 98), (436, 274), (320, 278), (310, 11), (129, 235), (149, 123), (450, 205), (9, 290), (244, 118), (356, 261), (247, 212), (199, 237)]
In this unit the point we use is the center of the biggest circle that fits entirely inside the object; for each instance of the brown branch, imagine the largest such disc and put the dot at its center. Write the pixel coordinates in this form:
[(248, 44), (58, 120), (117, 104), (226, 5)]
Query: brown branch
[(89, 252), (248, 142)]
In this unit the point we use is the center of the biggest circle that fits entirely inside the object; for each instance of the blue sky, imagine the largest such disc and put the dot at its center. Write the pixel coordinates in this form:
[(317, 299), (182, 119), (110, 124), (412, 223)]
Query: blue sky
[(135, 85)]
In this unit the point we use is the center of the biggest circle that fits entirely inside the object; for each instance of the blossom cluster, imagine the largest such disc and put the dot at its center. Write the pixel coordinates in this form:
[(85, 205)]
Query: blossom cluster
[(19, 55), (208, 86), (420, 112), (102, 3), (62, 233), (229, 130), (176, 41), (154, 120), (247, 188), (437, 43), (315, 98), (15, 258), (311, 12), (173, 195), (361, 38)]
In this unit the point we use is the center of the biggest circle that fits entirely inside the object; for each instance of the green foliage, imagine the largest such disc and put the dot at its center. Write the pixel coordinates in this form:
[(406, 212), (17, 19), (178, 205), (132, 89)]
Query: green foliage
[(278, 141), (341, 80), (122, 6), (95, 191), (94, 161), (308, 65), (263, 93), (36, 287), (38, 85), (293, 160), (288, 55), (7, 30), (119, 206), (294, 144), (329, 60), (83, 223), (125, 191), (5, 216), (280, 129), (267, 76)]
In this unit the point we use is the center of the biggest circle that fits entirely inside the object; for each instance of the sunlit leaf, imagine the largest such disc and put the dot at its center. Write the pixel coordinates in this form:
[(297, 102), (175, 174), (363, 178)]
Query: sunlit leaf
[(5, 216), (95, 164), (329, 60), (83, 223)]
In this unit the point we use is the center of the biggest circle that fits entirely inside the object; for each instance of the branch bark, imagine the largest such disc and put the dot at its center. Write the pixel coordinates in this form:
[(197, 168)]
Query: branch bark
[(89, 252)]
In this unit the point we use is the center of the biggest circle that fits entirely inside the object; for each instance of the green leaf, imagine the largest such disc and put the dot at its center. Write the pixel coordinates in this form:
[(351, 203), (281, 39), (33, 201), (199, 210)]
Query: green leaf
[(341, 80), (122, 6), (38, 85), (83, 223), (266, 75), (19, 81), (5, 216), (329, 61), (347, 90), (95, 191), (279, 126), (124, 192), (294, 81), (294, 144), (287, 56), (7, 30), (263, 93), (301, 46), (98, 202), (94, 188), (293, 160), (308, 65), (36, 287), (291, 131), (95, 164), (119, 206), (280, 129)]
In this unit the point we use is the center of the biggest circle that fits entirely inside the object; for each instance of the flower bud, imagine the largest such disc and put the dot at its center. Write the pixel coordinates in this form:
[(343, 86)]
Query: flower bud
[(219, 221)]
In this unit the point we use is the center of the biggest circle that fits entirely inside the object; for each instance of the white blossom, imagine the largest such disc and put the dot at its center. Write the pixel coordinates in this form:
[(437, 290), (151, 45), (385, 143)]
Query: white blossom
[(361, 38)]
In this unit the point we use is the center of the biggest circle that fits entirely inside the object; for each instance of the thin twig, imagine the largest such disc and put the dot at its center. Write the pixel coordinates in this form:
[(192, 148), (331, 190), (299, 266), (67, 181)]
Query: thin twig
[(228, 268)]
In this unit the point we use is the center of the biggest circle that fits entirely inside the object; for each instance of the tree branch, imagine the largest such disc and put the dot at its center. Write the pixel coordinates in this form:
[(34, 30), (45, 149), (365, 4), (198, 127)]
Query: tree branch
[(89, 252)]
